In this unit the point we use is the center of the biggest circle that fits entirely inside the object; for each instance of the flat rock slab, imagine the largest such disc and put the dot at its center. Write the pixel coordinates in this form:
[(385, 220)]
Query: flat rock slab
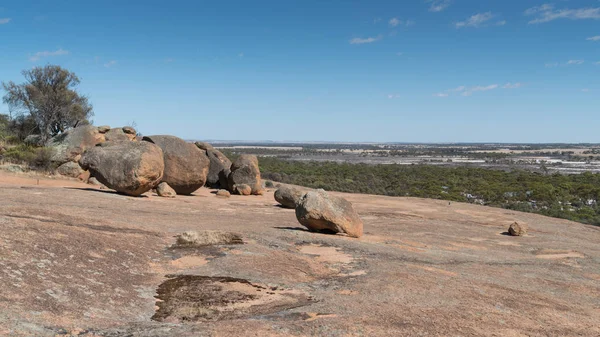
[(75, 258)]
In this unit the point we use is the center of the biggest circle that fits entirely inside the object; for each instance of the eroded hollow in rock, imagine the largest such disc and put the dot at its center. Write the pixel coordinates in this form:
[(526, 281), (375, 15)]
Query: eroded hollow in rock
[(191, 298)]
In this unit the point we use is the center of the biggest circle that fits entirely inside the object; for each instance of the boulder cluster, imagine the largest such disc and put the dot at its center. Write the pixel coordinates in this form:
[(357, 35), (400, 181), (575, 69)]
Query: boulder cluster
[(118, 159)]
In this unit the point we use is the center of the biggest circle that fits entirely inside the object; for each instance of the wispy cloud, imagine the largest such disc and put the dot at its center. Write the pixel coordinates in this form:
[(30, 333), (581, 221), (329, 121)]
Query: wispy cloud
[(475, 20), (4, 21), (575, 62), (110, 64), (438, 5), (42, 54), (547, 13), (551, 64), (468, 91), (395, 22), (512, 85), (392, 96), (594, 38), (597, 63), (358, 40), (501, 23), (585, 90), (399, 53)]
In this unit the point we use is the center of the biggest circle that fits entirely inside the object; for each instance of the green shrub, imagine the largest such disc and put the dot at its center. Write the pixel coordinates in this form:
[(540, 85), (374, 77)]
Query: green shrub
[(20, 154), (43, 159)]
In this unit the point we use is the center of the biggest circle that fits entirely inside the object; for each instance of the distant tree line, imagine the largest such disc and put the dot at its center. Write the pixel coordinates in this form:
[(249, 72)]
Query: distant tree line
[(573, 197)]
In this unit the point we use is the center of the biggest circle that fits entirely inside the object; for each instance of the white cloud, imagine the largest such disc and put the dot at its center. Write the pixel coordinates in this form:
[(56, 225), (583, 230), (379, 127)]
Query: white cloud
[(597, 63), (438, 5), (547, 13), (392, 96), (552, 65), (475, 20), (501, 23), (470, 91), (576, 62), (358, 40), (41, 54), (395, 22), (4, 21), (110, 64), (594, 38), (512, 85)]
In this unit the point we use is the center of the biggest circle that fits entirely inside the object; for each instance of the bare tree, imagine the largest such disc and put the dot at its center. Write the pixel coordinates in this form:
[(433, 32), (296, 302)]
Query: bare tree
[(49, 97)]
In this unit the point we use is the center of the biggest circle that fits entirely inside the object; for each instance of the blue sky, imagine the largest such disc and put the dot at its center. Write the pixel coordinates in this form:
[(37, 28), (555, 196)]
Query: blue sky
[(407, 71)]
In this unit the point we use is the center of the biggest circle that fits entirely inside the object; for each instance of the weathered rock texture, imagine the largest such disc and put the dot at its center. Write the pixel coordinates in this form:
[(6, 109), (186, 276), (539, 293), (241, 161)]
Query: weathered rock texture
[(245, 171), (186, 166), (68, 146), (207, 238), (118, 135), (321, 212), (131, 168), (219, 166), (289, 196)]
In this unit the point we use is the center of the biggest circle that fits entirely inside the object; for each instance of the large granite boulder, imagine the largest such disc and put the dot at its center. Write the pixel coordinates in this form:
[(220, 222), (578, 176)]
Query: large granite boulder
[(186, 166), (219, 166), (68, 146), (245, 171), (321, 212), (289, 196), (131, 168)]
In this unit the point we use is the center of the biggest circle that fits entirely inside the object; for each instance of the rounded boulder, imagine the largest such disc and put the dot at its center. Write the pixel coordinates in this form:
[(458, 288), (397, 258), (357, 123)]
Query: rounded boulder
[(288, 196), (132, 168), (186, 166), (321, 212), (245, 171)]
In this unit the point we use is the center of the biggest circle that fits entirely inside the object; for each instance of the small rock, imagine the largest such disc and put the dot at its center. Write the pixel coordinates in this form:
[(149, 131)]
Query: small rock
[(70, 169), (242, 189), (207, 238), (223, 193), (164, 190), (517, 229), (103, 129), (129, 130)]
